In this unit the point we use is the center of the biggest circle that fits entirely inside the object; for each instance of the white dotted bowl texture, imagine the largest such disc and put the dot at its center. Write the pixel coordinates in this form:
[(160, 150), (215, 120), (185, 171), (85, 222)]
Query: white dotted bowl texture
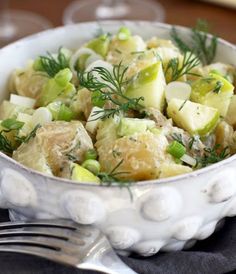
[(168, 214)]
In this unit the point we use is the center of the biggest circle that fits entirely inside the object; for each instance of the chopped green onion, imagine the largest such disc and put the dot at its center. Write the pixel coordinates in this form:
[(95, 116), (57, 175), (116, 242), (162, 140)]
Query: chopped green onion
[(189, 160), (65, 113), (92, 165), (176, 149), (12, 124), (91, 154), (123, 34)]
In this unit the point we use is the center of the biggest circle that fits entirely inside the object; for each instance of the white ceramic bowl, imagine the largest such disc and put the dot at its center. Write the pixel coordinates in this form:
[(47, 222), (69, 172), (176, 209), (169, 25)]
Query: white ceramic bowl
[(167, 214)]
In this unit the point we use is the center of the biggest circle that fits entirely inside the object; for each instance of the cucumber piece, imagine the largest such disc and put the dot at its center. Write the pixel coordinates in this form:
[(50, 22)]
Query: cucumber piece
[(150, 84), (80, 174), (214, 91), (100, 45), (193, 117), (230, 118), (129, 126)]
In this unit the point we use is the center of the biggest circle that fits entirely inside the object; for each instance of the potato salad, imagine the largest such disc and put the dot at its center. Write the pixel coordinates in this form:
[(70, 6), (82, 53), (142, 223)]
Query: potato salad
[(121, 109)]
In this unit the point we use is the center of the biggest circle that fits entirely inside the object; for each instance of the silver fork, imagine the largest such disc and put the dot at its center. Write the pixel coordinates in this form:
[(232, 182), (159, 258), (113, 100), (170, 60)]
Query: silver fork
[(63, 241)]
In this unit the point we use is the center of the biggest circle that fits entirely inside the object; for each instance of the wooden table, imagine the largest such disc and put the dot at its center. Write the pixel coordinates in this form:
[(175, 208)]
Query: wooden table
[(181, 12)]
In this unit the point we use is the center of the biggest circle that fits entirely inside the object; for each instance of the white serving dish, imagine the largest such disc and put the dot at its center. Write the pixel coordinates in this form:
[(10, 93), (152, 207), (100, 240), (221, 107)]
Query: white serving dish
[(168, 214)]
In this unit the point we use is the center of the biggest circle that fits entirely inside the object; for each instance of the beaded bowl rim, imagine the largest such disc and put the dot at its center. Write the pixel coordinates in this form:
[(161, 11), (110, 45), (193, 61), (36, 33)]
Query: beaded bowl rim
[(173, 179)]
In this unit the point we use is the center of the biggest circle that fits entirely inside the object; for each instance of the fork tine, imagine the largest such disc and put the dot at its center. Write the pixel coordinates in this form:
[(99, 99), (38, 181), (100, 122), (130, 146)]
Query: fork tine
[(61, 224), (65, 247), (54, 233), (42, 252)]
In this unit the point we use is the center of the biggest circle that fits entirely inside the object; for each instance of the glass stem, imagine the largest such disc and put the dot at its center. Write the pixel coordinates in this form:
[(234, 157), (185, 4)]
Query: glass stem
[(113, 3), (7, 29)]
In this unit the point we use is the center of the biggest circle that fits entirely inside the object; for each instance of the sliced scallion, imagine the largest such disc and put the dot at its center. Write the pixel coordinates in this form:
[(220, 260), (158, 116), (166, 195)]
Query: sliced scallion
[(12, 124), (92, 165), (176, 149)]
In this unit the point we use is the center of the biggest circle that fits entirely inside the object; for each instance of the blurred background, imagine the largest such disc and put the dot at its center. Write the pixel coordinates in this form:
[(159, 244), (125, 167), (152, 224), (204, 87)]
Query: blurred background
[(22, 17)]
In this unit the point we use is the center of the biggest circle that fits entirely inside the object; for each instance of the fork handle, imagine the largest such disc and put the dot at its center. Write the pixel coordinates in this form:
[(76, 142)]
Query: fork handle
[(110, 264)]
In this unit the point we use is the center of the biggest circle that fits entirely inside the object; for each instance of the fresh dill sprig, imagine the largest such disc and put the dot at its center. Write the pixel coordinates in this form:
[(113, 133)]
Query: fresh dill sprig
[(52, 65), (176, 69), (204, 47), (213, 155), (111, 88), (5, 144), (178, 41), (110, 178), (178, 137)]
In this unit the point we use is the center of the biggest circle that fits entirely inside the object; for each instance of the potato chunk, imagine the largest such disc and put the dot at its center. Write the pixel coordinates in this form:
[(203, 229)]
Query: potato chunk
[(54, 146), (142, 155)]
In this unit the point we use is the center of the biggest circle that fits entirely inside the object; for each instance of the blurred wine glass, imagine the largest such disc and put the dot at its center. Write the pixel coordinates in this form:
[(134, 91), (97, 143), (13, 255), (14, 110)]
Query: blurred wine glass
[(15, 24), (90, 10)]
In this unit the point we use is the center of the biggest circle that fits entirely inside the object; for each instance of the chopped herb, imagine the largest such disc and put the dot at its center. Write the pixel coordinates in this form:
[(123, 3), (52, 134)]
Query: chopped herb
[(182, 105), (118, 51), (111, 88), (111, 176), (32, 134), (137, 52), (218, 87), (176, 69), (203, 47), (71, 157), (5, 144), (191, 142), (178, 137), (116, 153), (213, 155), (52, 65)]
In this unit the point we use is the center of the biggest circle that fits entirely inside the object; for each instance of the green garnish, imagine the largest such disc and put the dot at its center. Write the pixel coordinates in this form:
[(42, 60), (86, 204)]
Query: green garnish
[(212, 155), (176, 149), (111, 177), (137, 52), (175, 69), (32, 134), (12, 124), (92, 165), (91, 154), (191, 142), (52, 65), (178, 137), (218, 87), (182, 105), (111, 88), (203, 47), (5, 144)]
